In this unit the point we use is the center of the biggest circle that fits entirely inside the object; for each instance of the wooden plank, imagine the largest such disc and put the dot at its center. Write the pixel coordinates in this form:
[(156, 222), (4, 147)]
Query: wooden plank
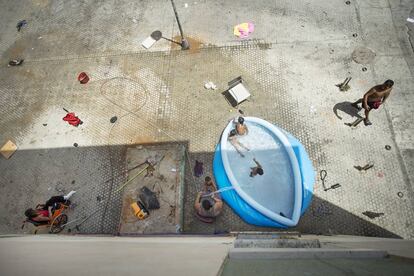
[(8, 149)]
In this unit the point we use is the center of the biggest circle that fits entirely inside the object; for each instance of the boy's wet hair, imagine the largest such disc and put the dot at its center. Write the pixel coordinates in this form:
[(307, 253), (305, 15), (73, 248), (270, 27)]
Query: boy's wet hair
[(206, 204), (389, 83), (260, 171), (241, 120), (233, 132)]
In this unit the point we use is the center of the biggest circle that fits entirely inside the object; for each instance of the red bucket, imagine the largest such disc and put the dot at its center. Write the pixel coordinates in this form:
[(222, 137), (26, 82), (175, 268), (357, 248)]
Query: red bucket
[(83, 78)]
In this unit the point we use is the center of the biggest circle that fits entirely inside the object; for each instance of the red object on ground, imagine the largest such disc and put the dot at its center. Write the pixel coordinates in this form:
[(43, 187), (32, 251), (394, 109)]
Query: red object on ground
[(72, 119), (83, 78)]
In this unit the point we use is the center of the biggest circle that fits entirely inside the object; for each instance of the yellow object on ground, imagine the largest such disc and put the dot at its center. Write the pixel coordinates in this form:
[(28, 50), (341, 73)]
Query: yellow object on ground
[(139, 210), (8, 149), (242, 26)]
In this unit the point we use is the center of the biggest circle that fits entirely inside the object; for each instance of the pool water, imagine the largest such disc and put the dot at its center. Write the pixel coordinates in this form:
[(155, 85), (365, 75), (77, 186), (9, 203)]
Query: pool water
[(274, 189)]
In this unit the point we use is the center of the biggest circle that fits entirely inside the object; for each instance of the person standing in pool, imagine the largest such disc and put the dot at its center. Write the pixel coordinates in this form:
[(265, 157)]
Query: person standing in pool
[(241, 128), (258, 170), (374, 98), (235, 142)]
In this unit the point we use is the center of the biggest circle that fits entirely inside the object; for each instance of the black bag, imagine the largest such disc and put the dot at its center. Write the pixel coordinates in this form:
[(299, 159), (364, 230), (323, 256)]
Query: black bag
[(149, 198)]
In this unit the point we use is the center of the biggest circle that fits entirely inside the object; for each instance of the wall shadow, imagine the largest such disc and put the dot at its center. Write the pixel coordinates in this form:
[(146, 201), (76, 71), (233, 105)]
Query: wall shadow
[(321, 218), (31, 176)]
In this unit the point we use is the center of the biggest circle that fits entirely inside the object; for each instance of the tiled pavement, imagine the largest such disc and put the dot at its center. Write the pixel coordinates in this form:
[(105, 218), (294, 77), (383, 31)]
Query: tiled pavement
[(297, 54)]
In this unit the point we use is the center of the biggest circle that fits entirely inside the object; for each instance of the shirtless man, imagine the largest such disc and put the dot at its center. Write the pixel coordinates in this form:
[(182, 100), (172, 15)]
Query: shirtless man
[(241, 128), (236, 144), (374, 98)]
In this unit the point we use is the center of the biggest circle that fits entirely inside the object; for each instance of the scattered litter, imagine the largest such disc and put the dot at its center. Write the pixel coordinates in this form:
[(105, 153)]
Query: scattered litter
[(39, 37), (243, 30), (241, 112), (173, 170), (323, 174), (148, 42), (364, 168), (312, 109), (400, 194), (364, 69), (72, 119), (8, 149), (198, 169), (83, 78), (113, 119), (387, 147), (134, 20), (21, 24), (372, 215), (411, 20), (75, 145), (185, 5), (210, 85), (50, 188), (32, 49), (149, 198), (355, 123), (73, 182), (44, 124), (344, 85), (16, 62)]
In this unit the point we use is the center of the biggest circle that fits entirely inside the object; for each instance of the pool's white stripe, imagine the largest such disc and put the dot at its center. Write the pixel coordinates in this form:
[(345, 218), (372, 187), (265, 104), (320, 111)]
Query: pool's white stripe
[(295, 167)]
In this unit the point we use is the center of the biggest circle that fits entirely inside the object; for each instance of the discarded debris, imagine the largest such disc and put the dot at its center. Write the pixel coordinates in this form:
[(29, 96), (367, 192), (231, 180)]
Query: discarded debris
[(210, 85), (149, 41), (400, 194), (75, 145), (355, 123), (113, 119), (8, 149), (21, 24), (411, 20), (149, 198), (44, 124), (344, 85), (72, 119), (364, 168), (387, 147), (16, 62), (243, 30), (372, 215), (83, 78), (198, 169), (323, 174)]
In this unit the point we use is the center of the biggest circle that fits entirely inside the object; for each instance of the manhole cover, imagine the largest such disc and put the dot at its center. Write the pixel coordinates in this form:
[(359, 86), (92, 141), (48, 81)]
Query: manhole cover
[(363, 55)]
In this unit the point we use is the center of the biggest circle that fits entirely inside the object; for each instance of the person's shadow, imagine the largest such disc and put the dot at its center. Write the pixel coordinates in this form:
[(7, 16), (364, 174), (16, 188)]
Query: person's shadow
[(347, 108)]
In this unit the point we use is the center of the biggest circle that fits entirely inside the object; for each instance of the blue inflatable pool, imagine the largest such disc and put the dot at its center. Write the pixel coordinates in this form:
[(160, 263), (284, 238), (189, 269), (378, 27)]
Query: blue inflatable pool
[(282, 194)]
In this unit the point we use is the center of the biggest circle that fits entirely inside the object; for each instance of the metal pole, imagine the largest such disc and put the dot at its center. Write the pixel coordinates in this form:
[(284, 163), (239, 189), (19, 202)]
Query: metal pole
[(184, 43)]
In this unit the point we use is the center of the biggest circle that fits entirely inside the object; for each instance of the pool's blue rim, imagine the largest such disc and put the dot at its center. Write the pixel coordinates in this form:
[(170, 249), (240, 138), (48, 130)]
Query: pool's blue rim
[(295, 167)]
